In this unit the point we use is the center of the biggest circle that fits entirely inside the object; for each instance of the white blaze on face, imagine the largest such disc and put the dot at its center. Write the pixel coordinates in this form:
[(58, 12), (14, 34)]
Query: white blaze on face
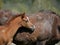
[(27, 18), (29, 24)]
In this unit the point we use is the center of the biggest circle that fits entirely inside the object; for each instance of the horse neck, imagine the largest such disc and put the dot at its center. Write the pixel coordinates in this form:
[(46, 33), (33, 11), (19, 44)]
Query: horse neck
[(12, 18), (13, 26)]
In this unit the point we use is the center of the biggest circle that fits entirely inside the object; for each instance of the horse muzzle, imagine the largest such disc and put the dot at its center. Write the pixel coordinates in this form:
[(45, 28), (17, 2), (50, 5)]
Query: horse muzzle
[(32, 28)]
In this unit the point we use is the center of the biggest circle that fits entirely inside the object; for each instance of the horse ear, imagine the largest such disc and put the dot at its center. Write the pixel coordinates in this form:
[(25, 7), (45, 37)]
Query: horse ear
[(23, 15)]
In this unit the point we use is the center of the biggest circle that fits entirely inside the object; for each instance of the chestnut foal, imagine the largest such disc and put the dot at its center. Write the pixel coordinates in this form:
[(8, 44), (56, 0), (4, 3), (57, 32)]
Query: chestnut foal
[(8, 30)]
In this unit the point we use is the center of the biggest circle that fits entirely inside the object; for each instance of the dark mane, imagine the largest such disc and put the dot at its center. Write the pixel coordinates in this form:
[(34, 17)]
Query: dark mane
[(48, 11)]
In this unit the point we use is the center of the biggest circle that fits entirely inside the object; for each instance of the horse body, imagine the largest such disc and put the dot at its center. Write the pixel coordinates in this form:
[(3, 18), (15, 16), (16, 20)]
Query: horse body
[(47, 28)]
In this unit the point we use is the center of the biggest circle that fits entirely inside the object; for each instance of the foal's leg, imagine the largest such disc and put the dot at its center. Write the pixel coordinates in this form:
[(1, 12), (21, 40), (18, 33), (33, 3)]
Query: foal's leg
[(9, 42)]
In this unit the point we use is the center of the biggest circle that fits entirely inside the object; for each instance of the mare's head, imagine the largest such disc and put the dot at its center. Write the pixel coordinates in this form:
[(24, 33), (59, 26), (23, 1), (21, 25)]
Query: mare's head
[(25, 22)]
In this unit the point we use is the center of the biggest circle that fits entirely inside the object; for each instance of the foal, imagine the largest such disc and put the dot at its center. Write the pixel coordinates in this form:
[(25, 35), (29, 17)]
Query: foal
[(7, 31)]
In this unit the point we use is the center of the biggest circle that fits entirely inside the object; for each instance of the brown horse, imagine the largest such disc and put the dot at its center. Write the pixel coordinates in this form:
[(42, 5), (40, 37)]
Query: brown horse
[(8, 30), (48, 24), (47, 30)]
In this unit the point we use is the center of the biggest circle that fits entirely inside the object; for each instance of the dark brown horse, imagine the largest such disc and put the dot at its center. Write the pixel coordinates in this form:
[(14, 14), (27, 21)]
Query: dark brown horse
[(47, 31), (52, 27), (8, 30)]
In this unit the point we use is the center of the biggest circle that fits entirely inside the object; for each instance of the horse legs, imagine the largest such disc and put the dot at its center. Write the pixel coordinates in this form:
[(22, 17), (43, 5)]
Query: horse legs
[(10, 42), (41, 42), (49, 43), (52, 42)]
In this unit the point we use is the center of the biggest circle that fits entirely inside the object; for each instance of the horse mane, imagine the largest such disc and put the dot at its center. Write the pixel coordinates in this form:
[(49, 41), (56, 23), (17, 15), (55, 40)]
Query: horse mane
[(16, 16), (48, 11), (13, 18), (6, 16)]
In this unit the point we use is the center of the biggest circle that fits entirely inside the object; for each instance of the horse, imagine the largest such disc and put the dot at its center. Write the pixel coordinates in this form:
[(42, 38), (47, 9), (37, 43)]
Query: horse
[(8, 30), (47, 30)]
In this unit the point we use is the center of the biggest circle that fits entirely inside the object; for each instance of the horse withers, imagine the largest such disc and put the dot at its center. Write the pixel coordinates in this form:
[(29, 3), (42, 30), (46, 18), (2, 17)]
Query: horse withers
[(8, 31)]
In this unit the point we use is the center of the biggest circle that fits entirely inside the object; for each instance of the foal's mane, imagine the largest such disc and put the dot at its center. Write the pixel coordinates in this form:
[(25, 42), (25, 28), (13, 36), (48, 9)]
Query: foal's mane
[(17, 15), (14, 17), (7, 15)]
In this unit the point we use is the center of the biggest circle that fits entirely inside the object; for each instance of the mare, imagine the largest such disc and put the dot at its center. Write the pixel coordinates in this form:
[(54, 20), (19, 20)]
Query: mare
[(47, 30), (8, 30)]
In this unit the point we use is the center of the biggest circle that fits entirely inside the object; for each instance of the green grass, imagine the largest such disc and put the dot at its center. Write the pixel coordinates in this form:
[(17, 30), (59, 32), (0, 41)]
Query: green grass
[(29, 6)]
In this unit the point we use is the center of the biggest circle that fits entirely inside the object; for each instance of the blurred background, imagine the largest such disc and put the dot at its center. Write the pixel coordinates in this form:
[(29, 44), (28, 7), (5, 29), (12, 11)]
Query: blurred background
[(30, 6)]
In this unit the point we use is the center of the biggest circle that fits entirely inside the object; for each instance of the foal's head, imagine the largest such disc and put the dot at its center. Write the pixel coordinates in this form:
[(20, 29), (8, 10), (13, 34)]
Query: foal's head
[(25, 22)]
